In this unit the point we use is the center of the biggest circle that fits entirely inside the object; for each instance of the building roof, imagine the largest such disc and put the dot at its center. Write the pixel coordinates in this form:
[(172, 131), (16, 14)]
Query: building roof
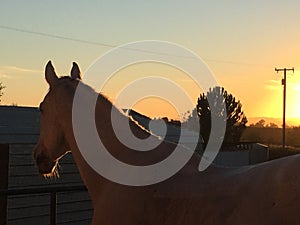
[(22, 125)]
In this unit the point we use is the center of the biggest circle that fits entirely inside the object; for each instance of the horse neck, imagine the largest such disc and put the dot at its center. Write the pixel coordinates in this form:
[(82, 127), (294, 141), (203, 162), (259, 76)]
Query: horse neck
[(92, 179), (111, 124), (64, 100)]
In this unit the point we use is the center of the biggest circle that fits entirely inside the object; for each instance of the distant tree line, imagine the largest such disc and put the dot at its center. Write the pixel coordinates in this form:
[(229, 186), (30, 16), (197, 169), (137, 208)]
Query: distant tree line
[(271, 136), (262, 123)]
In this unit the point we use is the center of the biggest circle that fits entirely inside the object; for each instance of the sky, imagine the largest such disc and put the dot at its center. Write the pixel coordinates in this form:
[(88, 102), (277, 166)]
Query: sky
[(241, 41)]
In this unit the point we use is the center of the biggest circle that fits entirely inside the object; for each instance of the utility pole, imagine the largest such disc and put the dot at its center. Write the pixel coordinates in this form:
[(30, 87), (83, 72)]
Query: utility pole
[(283, 82)]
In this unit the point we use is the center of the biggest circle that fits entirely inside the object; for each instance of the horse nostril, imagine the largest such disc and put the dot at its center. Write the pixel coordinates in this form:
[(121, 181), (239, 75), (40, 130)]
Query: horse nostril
[(41, 158)]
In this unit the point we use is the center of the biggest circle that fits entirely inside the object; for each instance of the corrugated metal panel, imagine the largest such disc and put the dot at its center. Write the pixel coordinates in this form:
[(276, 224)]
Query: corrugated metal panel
[(72, 208), (19, 124)]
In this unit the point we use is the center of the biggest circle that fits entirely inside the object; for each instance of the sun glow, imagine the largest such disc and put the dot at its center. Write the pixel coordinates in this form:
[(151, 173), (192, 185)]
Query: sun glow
[(155, 107), (129, 84), (275, 96), (293, 96)]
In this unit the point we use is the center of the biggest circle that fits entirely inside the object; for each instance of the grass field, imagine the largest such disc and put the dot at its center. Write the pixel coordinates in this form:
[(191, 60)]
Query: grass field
[(276, 151), (272, 137)]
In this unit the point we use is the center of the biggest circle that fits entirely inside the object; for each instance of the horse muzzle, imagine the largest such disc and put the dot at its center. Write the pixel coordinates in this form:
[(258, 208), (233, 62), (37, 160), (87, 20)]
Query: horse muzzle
[(44, 163)]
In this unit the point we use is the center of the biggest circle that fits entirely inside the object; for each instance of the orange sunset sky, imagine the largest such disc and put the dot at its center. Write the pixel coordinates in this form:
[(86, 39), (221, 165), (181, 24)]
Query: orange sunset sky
[(241, 42)]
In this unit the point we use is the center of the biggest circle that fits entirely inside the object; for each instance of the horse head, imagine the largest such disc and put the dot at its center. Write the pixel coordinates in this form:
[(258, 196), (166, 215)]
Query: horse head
[(52, 144)]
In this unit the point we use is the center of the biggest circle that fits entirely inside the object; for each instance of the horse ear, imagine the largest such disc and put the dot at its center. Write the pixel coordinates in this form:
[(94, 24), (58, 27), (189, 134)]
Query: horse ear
[(50, 74), (75, 71)]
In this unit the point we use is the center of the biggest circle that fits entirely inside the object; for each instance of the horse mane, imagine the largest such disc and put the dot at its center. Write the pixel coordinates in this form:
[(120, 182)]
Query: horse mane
[(103, 99)]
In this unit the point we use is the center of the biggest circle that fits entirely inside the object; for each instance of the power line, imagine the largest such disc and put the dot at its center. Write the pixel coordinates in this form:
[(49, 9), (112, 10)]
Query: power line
[(87, 42), (15, 29), (56, 36), (235, 62)]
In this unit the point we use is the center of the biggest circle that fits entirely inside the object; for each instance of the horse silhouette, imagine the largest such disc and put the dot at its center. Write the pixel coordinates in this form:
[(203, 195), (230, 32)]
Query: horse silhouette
[(266, 193)]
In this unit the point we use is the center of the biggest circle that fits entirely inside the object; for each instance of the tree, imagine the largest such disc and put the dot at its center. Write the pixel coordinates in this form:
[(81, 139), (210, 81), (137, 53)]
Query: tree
[(272, 125), (1, 90), (191, 120), (260, 124), (235, 118)]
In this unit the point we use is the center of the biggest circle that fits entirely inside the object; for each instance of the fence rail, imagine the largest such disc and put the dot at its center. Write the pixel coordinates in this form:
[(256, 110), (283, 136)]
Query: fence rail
[(52, 190)]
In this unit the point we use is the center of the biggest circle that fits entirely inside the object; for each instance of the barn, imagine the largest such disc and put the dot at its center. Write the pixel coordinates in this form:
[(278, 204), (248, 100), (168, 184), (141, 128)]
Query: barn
[(26, 197)]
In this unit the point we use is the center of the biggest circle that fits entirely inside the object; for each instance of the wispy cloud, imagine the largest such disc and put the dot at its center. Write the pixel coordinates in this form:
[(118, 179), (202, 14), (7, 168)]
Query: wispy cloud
[(273, 84), (274, 81), (19, 69), (276, 85), (5, 76), (11, 72)]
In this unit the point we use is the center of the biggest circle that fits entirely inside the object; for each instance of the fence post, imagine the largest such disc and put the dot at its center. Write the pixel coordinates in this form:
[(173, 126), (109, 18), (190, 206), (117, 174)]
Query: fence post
[(4, 161), (53, 202)]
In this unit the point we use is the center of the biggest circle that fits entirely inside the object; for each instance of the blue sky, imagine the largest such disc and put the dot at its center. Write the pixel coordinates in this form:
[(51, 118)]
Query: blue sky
[(242, 42)]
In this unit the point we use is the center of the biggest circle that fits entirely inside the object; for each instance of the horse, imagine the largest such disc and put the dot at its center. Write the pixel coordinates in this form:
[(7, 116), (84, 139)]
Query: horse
[(266, 193)]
